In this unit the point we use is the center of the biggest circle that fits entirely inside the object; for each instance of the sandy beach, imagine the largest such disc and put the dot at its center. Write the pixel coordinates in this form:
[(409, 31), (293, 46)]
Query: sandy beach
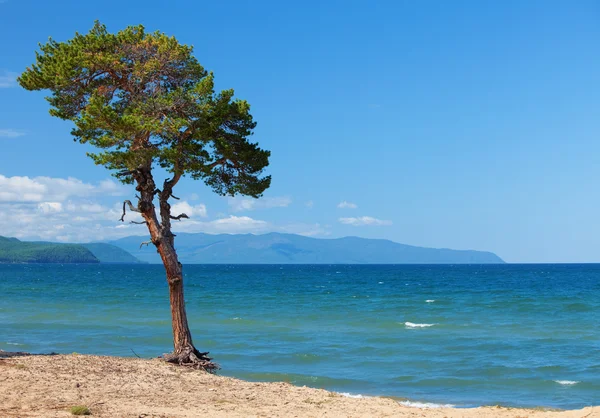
[(48, 386)]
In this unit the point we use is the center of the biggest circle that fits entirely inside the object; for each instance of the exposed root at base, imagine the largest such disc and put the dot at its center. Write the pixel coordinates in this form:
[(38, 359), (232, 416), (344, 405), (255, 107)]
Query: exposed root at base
[(190, 357)]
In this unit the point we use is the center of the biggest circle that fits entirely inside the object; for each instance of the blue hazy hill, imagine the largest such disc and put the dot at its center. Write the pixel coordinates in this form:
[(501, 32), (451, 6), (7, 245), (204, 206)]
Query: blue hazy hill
[(12, 250), (112, 254), (275, 248)]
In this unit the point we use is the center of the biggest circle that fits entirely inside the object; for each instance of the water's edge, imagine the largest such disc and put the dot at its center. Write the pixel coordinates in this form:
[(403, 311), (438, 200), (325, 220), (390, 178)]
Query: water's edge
[(511, 335)]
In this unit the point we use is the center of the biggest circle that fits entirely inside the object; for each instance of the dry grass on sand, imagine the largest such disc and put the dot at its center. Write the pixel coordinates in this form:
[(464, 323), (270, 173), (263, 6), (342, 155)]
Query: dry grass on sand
[(49, 386)]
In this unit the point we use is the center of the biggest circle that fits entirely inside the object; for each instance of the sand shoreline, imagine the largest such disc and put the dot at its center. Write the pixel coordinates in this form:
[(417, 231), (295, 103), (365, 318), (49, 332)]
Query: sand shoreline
[(48, 386)]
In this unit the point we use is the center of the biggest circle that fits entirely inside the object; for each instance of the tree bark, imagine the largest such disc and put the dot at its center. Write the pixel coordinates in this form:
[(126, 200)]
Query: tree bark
[(184, 352)]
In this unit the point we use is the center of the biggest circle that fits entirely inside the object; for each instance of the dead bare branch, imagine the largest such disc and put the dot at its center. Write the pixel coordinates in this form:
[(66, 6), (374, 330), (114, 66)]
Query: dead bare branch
[(131, 208), (139, 223), (145, 243), (179, 217)]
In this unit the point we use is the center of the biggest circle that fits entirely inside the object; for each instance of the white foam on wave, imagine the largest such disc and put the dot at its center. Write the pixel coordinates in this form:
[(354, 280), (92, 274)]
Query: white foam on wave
[(430, 300), (567, 382), (352, 395), (237, 318), (14, 344), (413, 325), (425, 405)]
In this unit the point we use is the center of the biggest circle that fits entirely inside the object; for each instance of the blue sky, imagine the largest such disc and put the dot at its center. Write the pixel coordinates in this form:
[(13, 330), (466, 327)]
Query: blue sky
[(466, 124)]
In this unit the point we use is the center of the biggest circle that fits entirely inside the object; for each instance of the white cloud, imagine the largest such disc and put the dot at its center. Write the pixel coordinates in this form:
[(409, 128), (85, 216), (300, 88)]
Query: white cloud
[(68, 222), (230, 225), (309, 204), (347, 205), (10, 133), (239, 222), (50, 207), (238, 204), (364, 220), (58, 209), (44, 189), (86, 207), (70, 210), (7, 78), (189, 210), (247, 225), (111, 187), (77, 221)]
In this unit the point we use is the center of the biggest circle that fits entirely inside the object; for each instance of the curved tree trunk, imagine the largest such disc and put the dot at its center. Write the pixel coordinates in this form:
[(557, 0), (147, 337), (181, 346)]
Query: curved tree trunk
[(184, 352)]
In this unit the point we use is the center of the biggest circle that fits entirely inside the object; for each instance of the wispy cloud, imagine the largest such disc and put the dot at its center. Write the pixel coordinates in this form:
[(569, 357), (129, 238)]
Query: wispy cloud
[(70, 221), (25, 189), (364, 221), (228, 225), (347, 205), (244, 224), (7, 78), (238, 204), (310, 204), (71, 210), (10, 133)]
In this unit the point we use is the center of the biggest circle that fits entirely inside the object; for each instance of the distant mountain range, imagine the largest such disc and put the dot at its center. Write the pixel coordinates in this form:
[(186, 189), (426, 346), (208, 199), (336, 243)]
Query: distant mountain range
[(270, 248), (275, 248), (13, 250), (107, 253)]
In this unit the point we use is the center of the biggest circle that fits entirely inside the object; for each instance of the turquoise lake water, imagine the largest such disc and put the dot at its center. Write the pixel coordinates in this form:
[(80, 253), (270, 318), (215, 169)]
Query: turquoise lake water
[(517, 335)]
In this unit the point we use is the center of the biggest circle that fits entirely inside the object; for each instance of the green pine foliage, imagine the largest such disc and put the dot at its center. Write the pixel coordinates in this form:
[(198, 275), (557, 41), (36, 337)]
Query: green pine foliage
[(143, 99)]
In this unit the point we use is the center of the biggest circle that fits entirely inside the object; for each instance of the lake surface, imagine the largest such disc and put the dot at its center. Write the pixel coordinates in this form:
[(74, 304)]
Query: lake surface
[(517, 335)]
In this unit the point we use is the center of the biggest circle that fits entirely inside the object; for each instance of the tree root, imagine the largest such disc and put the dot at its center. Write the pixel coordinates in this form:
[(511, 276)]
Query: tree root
[(190, 357)]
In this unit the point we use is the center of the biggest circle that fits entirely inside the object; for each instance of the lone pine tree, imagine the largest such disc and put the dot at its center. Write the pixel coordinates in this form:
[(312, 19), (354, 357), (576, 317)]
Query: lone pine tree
[(145, 101)]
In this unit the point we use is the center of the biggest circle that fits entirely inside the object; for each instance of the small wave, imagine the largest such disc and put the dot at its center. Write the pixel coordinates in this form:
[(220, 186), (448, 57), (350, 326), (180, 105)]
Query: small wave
[(567, 382), (413, 325), (352, 395), (14, 344), (425, 405), (430, 300), (380, 282), (237, 318)]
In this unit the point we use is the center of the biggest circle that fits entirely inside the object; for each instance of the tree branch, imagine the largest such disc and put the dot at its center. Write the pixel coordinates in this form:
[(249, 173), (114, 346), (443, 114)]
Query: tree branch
[(179, 217), (131, 208), (125, 173), (218, 162), (174, 180), (139, 223), (145, 243)]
